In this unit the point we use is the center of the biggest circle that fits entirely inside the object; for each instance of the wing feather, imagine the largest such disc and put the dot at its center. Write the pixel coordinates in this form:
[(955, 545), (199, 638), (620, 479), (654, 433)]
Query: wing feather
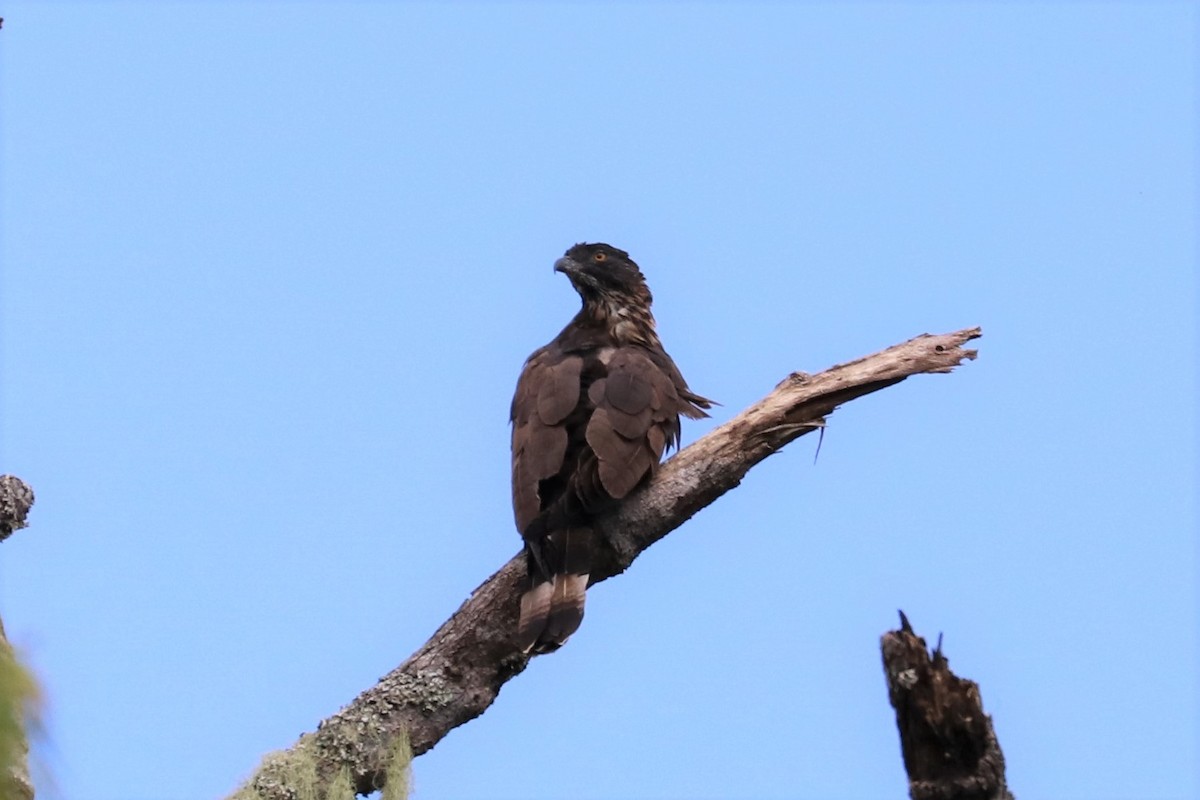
[(620, 478), (547, 392), (630, 382), (558, 389), (619, 429)]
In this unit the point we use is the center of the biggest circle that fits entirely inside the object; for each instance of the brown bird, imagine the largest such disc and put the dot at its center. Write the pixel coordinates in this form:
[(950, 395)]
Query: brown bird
[(593, 413)]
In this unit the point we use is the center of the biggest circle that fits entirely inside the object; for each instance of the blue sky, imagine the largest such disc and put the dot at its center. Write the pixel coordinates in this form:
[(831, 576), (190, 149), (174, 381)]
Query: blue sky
[(270, 272)]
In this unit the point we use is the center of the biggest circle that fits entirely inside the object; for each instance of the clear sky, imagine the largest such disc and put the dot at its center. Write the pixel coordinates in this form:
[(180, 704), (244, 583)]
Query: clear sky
[(270, 272)]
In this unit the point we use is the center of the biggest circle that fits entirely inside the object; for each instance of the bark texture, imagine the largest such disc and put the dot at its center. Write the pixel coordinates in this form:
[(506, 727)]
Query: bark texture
[(16, 498), (458, 673), (950, 749)]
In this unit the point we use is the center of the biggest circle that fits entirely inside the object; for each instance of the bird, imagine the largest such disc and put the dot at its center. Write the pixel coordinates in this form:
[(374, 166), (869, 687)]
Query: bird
[(593, 414)]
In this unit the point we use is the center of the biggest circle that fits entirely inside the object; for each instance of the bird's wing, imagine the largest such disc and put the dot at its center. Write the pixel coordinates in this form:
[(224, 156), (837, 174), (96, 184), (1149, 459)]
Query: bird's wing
[(547, 392), (636, 418)]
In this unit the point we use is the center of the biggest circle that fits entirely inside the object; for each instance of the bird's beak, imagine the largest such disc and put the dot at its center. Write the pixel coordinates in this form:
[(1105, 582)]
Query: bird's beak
[(568, 266)]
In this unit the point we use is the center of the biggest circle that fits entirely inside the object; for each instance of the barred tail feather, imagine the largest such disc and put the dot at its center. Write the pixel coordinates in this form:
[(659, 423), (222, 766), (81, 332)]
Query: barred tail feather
[(552, 607), (535, 610), (566, 608)]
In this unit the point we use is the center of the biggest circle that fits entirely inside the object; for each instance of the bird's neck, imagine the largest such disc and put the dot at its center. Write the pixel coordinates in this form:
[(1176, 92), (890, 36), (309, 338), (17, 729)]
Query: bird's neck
[(625, 322)]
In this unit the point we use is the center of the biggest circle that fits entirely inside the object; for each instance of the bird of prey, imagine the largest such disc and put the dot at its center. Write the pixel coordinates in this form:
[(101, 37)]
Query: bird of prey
[(594, 411)]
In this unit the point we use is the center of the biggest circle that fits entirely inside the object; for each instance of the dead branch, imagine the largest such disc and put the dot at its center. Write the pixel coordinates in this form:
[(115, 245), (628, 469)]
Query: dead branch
[(457, 674), (16, 498), (950, 749)]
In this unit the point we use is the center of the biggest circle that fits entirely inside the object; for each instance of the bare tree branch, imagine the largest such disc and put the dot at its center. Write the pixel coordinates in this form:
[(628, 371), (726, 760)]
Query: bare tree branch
[(16, 498), (950, 749), (457, 674)]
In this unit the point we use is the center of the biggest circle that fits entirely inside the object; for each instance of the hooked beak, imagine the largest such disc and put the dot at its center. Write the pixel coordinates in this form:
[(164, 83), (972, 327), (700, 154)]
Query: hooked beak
[(567, 266)]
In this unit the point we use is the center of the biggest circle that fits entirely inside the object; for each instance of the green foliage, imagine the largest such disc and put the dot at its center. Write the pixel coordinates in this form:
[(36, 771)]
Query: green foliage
[(296, 771), (19, 705), (341, 787), (399, 770)]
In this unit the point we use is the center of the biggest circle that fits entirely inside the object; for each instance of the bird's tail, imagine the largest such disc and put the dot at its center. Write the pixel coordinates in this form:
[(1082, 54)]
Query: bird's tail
[(552, 606)]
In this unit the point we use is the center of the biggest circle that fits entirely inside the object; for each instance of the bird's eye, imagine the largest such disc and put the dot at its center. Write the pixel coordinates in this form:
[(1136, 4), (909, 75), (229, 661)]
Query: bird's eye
[(598, 257)]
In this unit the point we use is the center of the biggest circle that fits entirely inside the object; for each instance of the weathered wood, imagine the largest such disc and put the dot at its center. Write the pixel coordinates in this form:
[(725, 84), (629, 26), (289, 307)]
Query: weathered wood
[(458, 673), (16, 498), (950, 749)]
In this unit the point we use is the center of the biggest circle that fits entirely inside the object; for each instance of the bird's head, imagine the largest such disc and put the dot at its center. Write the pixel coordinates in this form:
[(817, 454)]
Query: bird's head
[(605, 276)]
